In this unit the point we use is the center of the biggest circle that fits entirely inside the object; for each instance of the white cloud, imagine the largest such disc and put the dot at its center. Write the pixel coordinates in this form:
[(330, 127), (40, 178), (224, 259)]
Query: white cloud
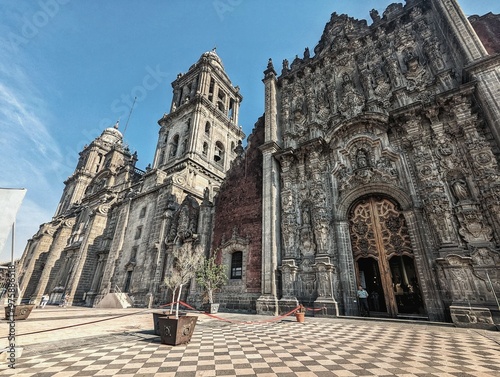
[(30, 156)]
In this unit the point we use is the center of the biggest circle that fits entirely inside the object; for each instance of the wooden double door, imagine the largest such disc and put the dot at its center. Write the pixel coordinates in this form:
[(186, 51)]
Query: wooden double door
[(383, 256)]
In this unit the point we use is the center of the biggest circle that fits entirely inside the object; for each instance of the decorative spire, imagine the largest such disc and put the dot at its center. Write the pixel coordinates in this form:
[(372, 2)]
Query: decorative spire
[(270, 68), (117, 124)]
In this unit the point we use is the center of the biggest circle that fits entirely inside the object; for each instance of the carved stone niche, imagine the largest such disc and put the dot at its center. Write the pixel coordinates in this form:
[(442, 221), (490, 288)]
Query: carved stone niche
[(288, 301), (469, 285)]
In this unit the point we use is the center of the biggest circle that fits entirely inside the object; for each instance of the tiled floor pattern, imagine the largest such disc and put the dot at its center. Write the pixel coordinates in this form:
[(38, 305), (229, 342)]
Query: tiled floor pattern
[(318, 347)]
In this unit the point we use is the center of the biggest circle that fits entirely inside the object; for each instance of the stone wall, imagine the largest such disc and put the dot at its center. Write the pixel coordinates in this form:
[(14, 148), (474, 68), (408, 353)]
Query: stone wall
[(238, 224), (487, 28)]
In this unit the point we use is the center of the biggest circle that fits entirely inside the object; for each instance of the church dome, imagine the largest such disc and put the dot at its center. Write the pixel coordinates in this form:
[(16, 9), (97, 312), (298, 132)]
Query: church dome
[(112, 135), (213, 58)]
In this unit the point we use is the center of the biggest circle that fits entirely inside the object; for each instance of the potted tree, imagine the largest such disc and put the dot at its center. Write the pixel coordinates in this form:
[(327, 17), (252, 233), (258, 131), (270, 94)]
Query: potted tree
[(210, 277), (300, 313), (171, 282), (178, 329)]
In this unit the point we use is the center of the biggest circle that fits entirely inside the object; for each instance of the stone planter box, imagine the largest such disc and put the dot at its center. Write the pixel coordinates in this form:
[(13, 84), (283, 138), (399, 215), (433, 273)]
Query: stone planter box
[(472, 317), (175, 331), (211, 308), (20, 311), (156, 317)]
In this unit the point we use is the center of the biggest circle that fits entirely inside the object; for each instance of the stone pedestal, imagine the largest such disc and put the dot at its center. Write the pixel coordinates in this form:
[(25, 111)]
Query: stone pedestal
[(267, 305), (472, 317), (287, 304), (329, 308)]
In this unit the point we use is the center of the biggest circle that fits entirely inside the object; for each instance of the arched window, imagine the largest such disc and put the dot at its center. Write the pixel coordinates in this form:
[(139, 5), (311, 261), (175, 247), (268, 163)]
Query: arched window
[(211, 89), (219, 153), (207, 128), (162, 158), (205, 148), (175, 145), (236, 265), (99, 162)]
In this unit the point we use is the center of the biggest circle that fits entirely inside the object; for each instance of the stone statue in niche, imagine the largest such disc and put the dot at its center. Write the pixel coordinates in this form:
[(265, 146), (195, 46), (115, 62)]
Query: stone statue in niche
[(415, 74), (432, 50), (306, 216), (308, 247), (361, 159), (392, 66), (352, 102), (460, 190)]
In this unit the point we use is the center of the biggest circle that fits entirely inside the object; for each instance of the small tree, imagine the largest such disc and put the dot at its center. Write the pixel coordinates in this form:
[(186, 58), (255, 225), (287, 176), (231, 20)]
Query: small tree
[(211, 276), (187, 260)]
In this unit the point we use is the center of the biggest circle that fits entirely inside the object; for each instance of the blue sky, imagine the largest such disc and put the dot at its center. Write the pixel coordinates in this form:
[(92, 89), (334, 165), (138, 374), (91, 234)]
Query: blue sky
[(69, 69)]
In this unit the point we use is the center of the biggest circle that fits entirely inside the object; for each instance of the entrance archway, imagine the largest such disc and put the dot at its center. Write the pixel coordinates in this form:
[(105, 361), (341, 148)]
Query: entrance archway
[(383, 256)]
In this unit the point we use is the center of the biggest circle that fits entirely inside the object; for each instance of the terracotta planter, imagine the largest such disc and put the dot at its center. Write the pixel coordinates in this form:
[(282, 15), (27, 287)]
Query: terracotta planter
[(20, 311), (301, 317), (175, 331)]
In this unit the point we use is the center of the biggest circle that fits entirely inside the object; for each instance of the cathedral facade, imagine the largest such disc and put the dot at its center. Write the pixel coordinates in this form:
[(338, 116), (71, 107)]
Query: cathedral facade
[(375, 164)]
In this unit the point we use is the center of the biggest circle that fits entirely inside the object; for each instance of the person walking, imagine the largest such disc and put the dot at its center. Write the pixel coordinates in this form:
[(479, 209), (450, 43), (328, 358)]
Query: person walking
[(363, 299), (45, 299)]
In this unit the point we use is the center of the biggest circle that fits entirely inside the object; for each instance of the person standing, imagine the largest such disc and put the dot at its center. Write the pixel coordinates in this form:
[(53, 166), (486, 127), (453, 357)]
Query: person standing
[(45, 299), (363, 299)]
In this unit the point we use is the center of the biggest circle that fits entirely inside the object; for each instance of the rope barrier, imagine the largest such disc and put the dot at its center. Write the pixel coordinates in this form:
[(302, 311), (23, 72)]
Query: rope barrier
[(78, 324), (274, 319)]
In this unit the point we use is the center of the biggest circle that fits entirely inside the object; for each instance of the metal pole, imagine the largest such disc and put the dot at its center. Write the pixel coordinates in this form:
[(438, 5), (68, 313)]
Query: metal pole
[(13, 242)]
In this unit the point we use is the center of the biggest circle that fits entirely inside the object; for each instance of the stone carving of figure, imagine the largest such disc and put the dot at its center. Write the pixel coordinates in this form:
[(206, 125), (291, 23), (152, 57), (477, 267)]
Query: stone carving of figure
[(308, 247), (307, 54), (361, 159), (353, 102), (285, 66), (460, 190), (374, 15), (306, 220), (394, 70)]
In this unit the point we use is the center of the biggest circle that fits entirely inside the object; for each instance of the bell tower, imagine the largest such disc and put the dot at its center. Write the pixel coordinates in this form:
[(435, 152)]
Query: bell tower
[(102, 153), (198, 138)]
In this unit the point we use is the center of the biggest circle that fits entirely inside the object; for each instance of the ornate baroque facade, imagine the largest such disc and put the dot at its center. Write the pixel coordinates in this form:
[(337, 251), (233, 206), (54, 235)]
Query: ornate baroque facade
[(375, 163)]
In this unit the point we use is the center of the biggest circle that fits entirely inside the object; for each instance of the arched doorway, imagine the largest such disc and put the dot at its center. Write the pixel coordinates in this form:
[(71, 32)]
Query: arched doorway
[(383, 257)]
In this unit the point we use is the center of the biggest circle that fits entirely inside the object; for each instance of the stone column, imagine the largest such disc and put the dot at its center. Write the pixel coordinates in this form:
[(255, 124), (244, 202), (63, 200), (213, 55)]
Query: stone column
[(95, 228), (346, 268), (423, 261), (115, 249), (289, 278), (325, 287), (271, 234), (461, 29), (42, 243), (60, 241), (267, 303)]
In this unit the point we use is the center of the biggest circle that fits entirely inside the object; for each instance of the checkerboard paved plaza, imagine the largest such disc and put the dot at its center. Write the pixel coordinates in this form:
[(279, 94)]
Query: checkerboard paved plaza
[(318, 347)]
